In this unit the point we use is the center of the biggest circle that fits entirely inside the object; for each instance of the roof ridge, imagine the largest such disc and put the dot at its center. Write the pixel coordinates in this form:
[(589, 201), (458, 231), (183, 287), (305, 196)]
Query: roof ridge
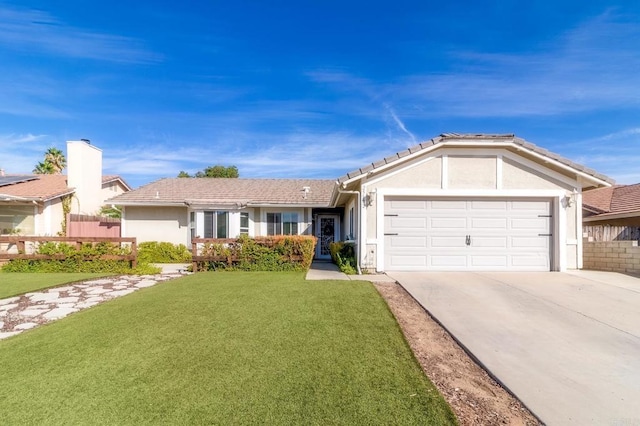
[(444, 137)]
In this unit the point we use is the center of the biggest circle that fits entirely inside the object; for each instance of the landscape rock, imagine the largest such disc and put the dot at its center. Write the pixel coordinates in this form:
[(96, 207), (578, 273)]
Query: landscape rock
[(41, 307)]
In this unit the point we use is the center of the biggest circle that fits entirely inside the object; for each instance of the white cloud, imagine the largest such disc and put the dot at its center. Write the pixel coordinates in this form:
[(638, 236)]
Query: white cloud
[(591, 67), (615, 154), (297, 154), (19, 153), (32, 30)]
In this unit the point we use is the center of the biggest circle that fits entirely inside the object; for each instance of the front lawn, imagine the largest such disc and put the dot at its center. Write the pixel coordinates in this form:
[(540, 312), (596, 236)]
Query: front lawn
[(222, 348), (14, 283)]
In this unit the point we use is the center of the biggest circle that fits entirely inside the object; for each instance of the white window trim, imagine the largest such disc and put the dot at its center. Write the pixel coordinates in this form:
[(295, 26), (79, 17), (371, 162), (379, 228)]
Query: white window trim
[(263, 219)]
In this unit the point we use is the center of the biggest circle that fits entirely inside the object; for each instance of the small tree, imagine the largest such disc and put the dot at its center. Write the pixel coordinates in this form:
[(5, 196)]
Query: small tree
[(214, 172)]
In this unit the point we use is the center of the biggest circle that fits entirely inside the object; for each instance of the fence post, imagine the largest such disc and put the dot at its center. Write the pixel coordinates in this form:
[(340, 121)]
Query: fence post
[(194, 253), (134, 252)]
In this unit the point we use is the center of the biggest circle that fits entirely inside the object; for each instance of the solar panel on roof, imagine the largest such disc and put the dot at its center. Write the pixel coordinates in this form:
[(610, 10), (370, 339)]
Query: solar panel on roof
[(11, 180)]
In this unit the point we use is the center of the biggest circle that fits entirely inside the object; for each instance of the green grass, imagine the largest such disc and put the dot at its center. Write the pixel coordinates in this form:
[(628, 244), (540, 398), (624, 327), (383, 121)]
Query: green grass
[(222, 348), (14, 283)]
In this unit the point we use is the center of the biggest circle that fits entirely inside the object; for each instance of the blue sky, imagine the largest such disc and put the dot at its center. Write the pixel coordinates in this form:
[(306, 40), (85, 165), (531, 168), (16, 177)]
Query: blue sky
[(315, 89)]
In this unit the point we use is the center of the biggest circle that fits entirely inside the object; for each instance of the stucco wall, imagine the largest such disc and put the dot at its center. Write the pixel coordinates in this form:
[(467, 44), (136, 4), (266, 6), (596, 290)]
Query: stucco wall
[(416, 174), (168, 224), (518, 176), (471, 172), (53, 210)]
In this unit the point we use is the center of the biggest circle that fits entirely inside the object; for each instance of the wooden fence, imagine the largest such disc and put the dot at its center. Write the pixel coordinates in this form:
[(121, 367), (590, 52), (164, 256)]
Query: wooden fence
[(20, 247), (80, 225), (611, 233)]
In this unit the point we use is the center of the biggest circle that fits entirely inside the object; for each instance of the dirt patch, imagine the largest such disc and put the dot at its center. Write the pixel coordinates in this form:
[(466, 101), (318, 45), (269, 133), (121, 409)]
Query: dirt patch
[(473, 395)]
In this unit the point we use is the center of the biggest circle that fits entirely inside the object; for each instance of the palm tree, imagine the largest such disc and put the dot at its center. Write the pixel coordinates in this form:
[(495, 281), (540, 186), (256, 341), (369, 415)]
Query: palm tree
[(56, 158), (54, 162), (44, 168)]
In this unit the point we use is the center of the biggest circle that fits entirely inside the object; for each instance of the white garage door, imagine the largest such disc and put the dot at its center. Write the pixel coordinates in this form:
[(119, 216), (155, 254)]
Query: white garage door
[(466, 235)]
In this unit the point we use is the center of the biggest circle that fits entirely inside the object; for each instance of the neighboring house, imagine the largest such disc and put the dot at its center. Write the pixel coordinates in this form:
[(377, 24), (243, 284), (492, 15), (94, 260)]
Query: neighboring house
[(178, 209), (617, 205), (456, 202), (33, 204)]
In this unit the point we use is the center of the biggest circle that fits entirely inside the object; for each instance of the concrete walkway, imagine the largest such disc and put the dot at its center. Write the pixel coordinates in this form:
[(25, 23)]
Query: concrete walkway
[(567, 345), (33, 309), (329, 271)]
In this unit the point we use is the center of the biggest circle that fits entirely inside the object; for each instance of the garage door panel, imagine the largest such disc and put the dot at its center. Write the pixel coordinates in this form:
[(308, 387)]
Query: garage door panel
[(408, 222), (489, 223), (432, 234), (490, 242), (530, 242), (400, 242), (409, 261), (541, 263), (452, 260), (534, 206), (448, 205), (489, 205), (407, 204), (448, 223), (539, 223), (447, 241), (493, 261)]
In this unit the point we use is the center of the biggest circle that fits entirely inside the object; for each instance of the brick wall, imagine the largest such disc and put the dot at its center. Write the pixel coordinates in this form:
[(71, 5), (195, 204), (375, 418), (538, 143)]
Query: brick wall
[(616, 256)]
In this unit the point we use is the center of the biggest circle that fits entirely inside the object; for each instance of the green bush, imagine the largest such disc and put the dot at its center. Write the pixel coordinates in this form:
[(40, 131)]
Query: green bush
[(276, 253), (344, 255), (86, 258), (163, 252)]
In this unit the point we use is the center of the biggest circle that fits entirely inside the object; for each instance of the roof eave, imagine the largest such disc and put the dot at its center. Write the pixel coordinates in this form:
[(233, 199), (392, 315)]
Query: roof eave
[(506, 141), (607, 216), (146, 203), (118, 179)]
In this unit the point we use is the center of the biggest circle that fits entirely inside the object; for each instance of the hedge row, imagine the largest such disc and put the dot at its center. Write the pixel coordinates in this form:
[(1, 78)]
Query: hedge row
[(275, 253), (86, 258)]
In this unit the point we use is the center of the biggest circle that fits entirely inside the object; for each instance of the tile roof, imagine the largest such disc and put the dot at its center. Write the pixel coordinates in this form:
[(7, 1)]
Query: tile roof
[(212, 191), (45, 188), (457, 138), (112, 178), (613, 200)]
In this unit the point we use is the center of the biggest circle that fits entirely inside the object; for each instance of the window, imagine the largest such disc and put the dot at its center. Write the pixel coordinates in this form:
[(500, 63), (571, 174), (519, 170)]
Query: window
[(282, 223), (352, 230), (17, 219), (216, 224), (192, 224), (244, 223)]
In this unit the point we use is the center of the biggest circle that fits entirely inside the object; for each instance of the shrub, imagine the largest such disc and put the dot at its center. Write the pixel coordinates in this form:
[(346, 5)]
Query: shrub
[(276, 253), (163, 252), (344, 255), (86, 258)]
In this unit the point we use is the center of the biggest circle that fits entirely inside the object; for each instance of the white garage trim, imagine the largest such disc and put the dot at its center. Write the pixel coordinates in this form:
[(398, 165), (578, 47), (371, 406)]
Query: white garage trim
[(558, 245), (499, 154)]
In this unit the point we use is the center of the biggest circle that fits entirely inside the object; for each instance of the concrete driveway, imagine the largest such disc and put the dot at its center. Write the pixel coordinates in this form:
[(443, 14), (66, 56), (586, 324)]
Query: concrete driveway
[(567, 344)]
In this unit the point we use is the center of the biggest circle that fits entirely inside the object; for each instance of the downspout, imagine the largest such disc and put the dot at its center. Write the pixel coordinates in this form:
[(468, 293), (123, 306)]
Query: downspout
[(358, 254)]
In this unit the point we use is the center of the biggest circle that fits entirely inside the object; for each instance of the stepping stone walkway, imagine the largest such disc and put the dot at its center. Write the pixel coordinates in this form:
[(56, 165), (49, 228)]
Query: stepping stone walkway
[(25, 312)]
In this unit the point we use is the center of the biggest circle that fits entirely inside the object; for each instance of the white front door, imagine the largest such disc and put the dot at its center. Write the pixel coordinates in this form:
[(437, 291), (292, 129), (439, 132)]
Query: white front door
[(467, 235), (327, 231)]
